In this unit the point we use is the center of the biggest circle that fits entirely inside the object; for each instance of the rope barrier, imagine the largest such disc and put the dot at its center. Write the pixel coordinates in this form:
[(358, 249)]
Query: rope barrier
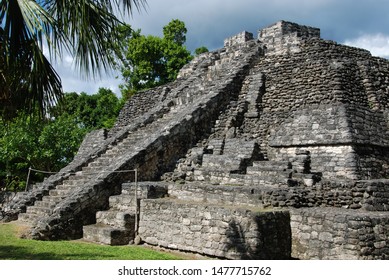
[(77, 173), (41, 171)]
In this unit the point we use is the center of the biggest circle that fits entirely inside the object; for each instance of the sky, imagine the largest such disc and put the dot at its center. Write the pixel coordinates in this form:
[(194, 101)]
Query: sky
[(359, 23)]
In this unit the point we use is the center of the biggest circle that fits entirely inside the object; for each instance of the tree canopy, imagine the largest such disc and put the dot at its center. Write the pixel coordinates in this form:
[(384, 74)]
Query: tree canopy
[(90, 111), (150, 61), (26, 141), (84, 28)]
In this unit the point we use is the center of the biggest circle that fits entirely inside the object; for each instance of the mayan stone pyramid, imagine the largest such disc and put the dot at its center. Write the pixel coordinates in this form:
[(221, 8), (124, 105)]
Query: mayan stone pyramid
[(273, 147)]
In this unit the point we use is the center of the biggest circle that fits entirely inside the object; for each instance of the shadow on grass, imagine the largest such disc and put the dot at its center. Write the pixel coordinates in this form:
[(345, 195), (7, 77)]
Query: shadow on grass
[(20, 253), (11, 252)]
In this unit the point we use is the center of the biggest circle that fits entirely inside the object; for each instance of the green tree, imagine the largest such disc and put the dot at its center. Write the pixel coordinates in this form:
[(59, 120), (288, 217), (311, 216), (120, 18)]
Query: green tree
[(145, 66), (84, 28), (175, 31), (25, 142), (95, 111), (150, 61), (58, 142), (17, 149), (108, 108)]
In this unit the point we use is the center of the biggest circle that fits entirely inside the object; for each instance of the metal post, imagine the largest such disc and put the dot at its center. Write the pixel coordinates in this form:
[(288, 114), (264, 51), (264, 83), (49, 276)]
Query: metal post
[(136, 202), (28, 178)]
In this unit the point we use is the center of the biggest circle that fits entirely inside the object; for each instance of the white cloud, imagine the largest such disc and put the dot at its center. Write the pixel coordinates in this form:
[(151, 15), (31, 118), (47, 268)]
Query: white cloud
[(68, 60), (72, 82), (377, 44)]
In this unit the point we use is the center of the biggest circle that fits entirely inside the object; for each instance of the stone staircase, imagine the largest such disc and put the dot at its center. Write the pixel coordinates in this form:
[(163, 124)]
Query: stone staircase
[(48, 203), (232, 158), (280, 173), (100, 167), (97, 170), (225, 157), (269, 173), (116, 226), (239, 161)]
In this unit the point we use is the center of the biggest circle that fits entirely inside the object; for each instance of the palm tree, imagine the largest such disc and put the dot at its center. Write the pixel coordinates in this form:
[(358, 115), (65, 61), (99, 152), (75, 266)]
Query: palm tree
[(84, 28)]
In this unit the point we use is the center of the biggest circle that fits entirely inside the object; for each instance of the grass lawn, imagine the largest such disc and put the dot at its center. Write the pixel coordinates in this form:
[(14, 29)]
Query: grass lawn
[(14, 248)]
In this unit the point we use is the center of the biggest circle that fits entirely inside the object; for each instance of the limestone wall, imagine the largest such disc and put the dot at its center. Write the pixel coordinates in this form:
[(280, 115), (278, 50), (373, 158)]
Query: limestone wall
[(323, 73), (331, 161), (285, 37), (371, 195), (324, 233), (238, 39), (324, 221), (216, 231)]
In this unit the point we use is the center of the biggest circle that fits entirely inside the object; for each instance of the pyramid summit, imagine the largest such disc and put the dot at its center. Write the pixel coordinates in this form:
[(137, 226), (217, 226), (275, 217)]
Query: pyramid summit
[(272, 147)]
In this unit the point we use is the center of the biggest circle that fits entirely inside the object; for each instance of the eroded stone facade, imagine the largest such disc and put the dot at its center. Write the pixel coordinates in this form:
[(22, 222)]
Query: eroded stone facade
[(275, 148)]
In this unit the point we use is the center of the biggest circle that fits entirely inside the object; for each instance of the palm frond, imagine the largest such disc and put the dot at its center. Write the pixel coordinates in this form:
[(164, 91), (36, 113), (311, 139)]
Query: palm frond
[(27, 77), (84, 28), (126, 6)]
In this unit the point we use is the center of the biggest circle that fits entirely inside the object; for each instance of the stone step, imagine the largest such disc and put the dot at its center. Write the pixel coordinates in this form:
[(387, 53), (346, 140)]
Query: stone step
[(237, 179), (105, 234), (117, 219), (122, 202), (205, 192), (61, 193), (46, 203), (52, 198), (206, 174), (64, 187), (76, 181), (145, 189), (87, 170), (134, 136), (260, 180), (268, 181), (216, 145), (96, 164), (39, 210), (221, 162), (131, 140), (106, 158), (272, 165), (239, 145), (28, 218), (111, 152), (268, 173)]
